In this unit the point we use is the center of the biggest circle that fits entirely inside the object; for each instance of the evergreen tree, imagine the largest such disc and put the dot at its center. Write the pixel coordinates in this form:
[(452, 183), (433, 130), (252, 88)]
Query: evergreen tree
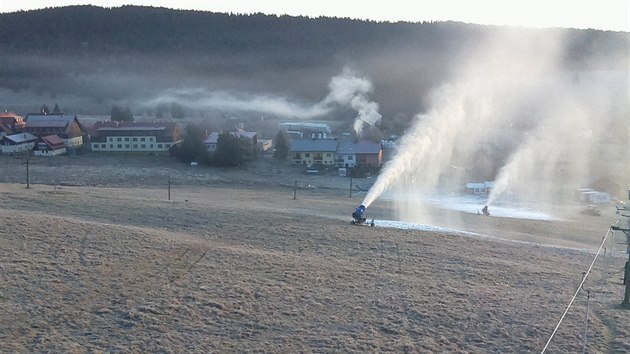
[(115, 113), (127, 116), (231, 150), (193, 147), (281, 146), (121, 115), (177, 111), (56, 110)]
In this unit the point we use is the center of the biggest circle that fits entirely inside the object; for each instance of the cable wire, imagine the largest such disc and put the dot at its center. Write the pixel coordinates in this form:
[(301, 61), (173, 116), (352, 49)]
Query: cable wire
[(576, 292)]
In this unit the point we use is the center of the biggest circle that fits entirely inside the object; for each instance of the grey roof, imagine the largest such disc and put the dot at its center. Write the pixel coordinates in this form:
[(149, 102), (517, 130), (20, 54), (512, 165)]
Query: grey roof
[(50, 120), (21, 137), (485, 184), (131, 128), (349, 147), (318, 145)]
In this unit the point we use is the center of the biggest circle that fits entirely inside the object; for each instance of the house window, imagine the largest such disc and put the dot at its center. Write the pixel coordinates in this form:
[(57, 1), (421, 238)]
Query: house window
[(118, 139), (135, 139), (120, 146), (111, 146), (152, 139), (167, 145), (350, 157), (126, 146), (109, 139), (126, 139), (143, 146), (151, 146), (135, 146), (141, 139), (159, 146), (103, 146), (307, 155), (328, 155)]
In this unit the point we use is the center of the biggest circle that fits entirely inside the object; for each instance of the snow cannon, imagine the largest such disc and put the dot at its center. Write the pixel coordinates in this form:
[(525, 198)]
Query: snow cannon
[(359, 216)]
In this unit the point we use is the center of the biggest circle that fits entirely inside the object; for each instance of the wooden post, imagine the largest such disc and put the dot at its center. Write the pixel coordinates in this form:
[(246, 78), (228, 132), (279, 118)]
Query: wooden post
[(350, 186), (28, 179), (626, 282), (626, 273), (295, 190), (169, 187)]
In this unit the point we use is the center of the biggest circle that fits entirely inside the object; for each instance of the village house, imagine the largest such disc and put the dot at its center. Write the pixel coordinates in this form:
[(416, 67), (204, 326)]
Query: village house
[(479, 188), (11, 123), (313, 152), (67, 127), (305, 130), (362, 153), (51, 145), (16, 143), (151, 137)]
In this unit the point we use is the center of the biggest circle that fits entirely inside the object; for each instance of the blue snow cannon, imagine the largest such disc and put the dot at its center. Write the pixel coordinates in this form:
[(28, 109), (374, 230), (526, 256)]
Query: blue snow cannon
[(359, 217)]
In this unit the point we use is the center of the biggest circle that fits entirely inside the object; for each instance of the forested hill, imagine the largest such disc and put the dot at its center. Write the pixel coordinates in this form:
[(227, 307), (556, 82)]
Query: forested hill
[(142, 30), (83, 48)]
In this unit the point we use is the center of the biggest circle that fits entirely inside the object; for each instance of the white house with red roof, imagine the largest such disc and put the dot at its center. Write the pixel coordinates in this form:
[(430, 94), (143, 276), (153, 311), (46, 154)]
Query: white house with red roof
[(51, 145)]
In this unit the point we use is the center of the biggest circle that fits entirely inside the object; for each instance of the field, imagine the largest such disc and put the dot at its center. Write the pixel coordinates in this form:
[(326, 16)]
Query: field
[(96, 258)]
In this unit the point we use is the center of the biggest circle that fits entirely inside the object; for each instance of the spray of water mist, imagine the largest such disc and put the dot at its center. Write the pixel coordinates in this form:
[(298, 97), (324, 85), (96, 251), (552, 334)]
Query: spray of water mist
[(348, 89), (510, 102), (345, 90)]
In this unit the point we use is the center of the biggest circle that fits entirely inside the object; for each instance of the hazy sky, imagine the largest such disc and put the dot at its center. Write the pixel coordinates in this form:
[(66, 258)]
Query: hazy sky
[(597, 14)]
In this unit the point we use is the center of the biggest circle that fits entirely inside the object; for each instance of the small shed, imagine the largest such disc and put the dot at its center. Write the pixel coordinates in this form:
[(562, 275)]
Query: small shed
[(479, 188)]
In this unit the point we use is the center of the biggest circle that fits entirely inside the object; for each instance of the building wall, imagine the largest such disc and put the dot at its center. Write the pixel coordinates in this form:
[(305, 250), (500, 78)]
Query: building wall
[(131, 144), (347, 160), (313, 158), (8, 149), (50, 152), (74, 143)]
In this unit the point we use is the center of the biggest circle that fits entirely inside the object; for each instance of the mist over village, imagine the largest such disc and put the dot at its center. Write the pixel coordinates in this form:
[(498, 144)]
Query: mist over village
[(193, 181)]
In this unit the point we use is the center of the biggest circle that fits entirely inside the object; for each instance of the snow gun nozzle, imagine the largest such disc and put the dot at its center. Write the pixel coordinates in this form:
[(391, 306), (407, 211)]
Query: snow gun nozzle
[(359, 213)]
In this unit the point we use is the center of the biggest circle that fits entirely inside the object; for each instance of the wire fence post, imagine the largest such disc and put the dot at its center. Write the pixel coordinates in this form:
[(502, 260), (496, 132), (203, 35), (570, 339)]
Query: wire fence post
[(169, 187), (28, 179), (588, 302), (350, 186)]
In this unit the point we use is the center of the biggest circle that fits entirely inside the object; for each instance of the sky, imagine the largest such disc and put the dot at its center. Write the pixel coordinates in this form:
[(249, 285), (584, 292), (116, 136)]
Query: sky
[(597, 14)]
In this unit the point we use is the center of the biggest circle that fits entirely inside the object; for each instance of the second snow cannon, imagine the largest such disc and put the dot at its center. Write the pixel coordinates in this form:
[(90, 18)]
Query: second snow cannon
[(359, 216)]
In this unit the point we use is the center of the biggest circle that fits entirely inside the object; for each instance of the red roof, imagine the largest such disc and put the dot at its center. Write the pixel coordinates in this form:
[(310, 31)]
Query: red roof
[(54, 141)]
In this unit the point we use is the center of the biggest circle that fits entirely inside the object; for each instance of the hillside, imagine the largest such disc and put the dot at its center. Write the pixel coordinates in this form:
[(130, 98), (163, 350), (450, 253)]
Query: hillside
[(88, 58), (114, 266)]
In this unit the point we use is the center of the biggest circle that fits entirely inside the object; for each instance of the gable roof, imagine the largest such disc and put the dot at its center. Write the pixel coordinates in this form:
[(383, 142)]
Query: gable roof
[(320, 145), (49, 121), (350, 147), (53, 141), (163, 131), (21, 137)]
